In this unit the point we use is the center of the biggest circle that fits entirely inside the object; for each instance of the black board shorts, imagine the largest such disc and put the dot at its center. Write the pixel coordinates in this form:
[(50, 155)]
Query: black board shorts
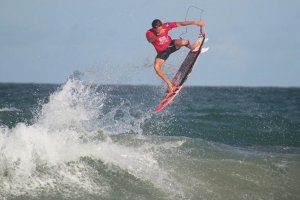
[(166, 53)]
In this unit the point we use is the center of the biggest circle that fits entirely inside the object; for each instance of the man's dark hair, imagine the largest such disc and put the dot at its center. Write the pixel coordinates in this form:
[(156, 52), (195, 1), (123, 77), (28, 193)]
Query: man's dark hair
[(156, 23)]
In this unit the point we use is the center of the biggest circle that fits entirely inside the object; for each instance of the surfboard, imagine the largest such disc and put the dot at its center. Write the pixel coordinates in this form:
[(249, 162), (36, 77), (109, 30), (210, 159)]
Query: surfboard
[(181, 75)]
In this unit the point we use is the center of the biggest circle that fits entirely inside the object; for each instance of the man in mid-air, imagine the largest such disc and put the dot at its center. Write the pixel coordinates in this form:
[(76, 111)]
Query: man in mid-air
[(164, 45)]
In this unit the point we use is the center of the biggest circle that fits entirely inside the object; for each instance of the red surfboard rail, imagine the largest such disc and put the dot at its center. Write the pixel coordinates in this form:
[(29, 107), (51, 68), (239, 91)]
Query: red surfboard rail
[(169, 96)]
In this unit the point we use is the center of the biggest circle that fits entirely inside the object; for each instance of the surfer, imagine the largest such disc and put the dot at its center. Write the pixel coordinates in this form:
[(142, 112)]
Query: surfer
[(164, 45)]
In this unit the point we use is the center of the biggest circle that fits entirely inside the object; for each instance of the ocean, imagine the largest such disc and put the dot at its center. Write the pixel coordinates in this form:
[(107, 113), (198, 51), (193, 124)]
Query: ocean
[(85, 141)]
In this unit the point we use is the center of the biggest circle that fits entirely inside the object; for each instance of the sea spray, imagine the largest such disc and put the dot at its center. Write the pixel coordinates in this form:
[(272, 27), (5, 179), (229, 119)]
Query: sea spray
[(66, 152), (73, 105)]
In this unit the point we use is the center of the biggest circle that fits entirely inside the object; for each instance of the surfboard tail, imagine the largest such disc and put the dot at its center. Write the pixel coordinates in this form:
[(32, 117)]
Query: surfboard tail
[(169, 96)]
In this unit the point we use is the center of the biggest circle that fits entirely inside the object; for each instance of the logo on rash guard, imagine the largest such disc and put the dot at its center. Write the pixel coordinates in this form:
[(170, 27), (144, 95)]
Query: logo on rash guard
[(163, 40)]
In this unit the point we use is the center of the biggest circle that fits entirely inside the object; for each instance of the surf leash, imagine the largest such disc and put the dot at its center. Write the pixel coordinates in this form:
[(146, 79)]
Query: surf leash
[(201, 11)]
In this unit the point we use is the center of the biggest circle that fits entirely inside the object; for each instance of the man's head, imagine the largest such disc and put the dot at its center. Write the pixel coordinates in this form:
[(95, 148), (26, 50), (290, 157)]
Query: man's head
[(156, 23)]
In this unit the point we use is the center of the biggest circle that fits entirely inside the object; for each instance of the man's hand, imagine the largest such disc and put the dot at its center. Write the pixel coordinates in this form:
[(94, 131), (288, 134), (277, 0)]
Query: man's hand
[(200, 23)]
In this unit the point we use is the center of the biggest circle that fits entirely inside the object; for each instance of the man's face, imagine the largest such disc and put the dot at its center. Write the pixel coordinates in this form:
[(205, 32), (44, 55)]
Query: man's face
[(157, 29)]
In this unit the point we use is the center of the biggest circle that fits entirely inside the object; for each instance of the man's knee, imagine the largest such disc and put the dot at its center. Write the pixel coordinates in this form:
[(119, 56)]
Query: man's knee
[(156, 67), (182, 42), (187, 43), (158, 63)]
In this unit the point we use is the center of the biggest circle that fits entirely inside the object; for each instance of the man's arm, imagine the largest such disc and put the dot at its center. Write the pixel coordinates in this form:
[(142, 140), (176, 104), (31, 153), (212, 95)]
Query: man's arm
[(186, 23), (151, 39), (150, 36)]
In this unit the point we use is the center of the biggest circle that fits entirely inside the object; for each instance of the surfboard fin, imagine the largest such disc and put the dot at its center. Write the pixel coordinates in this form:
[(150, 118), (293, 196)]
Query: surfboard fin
[(204, 49)]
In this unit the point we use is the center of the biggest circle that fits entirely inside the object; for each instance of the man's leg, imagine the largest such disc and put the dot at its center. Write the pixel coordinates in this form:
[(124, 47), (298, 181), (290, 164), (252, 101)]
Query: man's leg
[(182, 42), (157, 66)]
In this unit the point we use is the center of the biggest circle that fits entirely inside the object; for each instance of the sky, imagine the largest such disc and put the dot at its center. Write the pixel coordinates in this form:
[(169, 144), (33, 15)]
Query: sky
[(252, 42)]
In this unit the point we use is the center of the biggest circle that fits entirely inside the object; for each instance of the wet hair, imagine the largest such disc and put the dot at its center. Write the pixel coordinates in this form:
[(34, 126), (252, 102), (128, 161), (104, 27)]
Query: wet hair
[(156, 23)]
